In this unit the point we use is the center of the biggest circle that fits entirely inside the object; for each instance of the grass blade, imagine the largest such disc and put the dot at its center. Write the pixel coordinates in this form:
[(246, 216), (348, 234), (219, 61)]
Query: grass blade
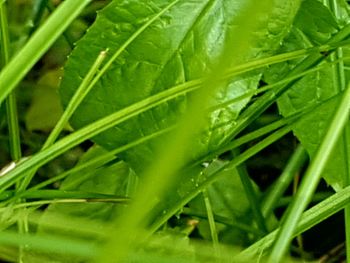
[(311, 179), (298, 158), (265, 101), (77, 98), (212, 224), (11, 104), (109, 121), (252, 198), (310, 218), (38, 44), (339, 80)]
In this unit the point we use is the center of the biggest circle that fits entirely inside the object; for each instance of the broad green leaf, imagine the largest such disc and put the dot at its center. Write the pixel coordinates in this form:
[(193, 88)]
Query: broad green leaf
[(179, 46), (312, 28)]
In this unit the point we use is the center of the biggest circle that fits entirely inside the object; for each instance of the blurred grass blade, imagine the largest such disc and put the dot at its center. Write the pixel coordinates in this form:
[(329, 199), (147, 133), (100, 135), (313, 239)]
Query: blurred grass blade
[(55, 244), (38, 44), (130, 227)]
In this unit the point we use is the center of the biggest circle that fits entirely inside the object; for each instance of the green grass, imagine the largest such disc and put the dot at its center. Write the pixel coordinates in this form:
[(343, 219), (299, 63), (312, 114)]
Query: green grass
[(183, 126)]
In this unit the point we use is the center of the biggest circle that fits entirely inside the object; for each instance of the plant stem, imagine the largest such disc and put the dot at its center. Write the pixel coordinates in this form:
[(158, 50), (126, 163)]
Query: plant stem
[(11, 105), (252, 198), (278, 188), (311, 179), (56, 244), (212, 224), (310, 218), (226, 221), (11, 112)]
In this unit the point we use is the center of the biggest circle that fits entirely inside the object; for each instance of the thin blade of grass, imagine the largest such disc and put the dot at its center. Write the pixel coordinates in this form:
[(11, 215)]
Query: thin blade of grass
[(252, 198), (310, 218), (11, 107), (54, 194), (11, 104), (265, 101), (38, 44), (212, 224), (311, 179), (213, 171), (339, 80), (77, 98), (298, 158)]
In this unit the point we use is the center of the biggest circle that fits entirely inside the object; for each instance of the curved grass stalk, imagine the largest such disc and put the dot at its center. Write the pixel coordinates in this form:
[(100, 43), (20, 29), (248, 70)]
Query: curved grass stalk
[(311, 179), (37, 204), (252, 197)]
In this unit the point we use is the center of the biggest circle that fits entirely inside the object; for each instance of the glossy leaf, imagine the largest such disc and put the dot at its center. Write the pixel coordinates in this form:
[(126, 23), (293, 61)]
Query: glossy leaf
[(177, 47), (311, 28)]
